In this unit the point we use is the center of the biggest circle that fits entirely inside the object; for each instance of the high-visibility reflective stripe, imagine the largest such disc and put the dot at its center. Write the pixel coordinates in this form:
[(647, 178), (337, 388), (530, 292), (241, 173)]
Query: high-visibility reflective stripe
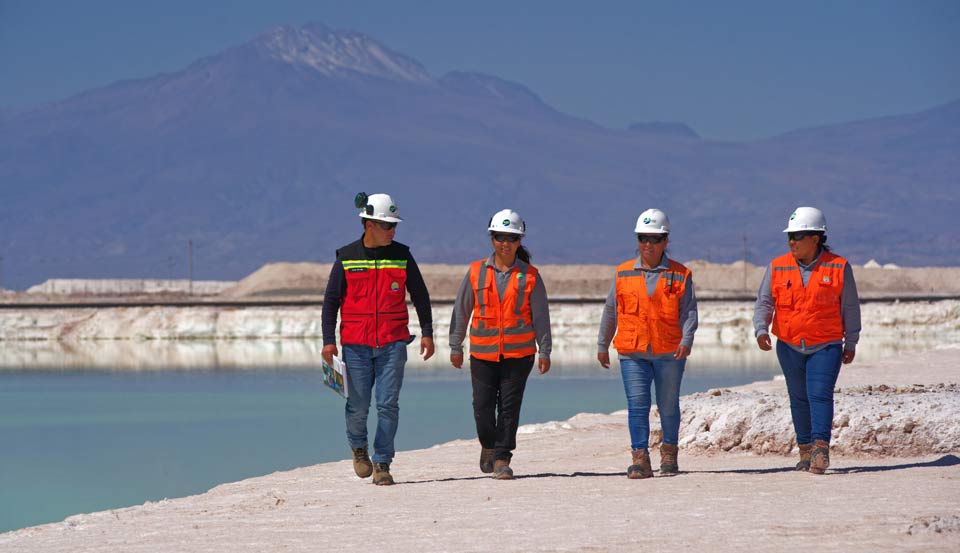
[(633, 273), (675, 277), (374, 262), (784, 268), (486, 332), (481, 286), (484, 349), (832, 265), (522, 329), (521, 345)]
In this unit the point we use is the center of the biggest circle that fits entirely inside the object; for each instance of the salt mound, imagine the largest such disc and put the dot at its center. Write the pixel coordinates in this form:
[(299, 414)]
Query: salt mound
[(283, 279), (872, 264)]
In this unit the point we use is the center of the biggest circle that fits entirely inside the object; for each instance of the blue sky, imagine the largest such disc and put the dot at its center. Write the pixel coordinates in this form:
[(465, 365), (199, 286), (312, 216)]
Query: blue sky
[(731, 70)]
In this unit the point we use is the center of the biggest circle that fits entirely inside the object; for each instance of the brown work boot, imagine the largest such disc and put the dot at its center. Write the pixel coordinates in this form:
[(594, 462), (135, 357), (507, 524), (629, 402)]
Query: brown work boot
[(805, 452), (381, 474), (820, 457), (641, 465), (668, 459), (361, 462), (502, 470), (486, 460)]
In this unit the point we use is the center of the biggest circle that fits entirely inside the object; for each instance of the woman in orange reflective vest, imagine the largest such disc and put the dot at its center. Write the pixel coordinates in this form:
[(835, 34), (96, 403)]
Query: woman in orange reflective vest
[(811, 297), (652, 308), (503, 304)]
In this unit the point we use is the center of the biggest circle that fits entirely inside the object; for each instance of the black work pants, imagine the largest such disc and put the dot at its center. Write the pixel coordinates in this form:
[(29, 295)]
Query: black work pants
[(497, 394)]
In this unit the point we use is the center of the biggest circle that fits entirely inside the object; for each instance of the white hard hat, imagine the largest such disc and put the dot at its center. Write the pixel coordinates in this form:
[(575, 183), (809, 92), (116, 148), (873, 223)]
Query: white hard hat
[(653, 221), (806, 218), (507, 221), (378, 207)]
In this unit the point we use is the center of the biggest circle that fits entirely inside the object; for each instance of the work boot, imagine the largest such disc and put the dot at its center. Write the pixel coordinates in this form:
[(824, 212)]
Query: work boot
[(361, 462), (820, 457), (486, 460), (805, 453), (381, 474), (668, 459), (641, 465), (502, 470)]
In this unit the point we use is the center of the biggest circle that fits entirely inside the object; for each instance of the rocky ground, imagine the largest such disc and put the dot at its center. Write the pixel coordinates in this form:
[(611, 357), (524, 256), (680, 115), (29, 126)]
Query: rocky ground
[(894, 484)]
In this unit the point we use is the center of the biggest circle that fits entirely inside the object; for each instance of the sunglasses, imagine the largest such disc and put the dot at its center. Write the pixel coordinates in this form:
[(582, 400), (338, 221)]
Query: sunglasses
[(385, 225), (506, 237), (651, 239), (798, 236)]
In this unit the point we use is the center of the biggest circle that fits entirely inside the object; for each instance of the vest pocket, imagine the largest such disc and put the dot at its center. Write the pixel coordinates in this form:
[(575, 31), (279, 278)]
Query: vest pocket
[(628, 302)]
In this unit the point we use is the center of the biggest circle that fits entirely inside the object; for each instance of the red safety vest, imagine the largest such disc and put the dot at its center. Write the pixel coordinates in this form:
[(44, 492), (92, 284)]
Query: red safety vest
[(374, 309), (649, 322), (502, 327), (809, 313)]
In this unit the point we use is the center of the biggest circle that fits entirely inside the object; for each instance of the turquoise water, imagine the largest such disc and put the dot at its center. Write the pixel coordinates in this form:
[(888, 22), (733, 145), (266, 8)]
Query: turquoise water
[(84, 441)]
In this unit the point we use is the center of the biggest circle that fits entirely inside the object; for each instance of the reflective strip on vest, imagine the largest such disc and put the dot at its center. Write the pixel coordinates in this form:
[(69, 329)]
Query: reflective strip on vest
[(521, 285)]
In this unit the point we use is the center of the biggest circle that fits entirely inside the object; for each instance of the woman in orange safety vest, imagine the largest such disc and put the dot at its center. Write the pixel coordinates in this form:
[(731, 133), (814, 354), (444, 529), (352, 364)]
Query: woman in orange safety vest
[(811, 298), (503, 304), (652, 308)]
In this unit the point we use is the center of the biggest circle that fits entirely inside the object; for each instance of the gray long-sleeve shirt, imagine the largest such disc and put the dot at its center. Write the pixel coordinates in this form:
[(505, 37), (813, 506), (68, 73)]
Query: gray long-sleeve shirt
[(849, 309), (688, 312), (463, 310)]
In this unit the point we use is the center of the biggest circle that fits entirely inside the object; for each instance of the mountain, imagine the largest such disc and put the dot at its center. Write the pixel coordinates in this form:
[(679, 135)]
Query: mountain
[(254, 154)]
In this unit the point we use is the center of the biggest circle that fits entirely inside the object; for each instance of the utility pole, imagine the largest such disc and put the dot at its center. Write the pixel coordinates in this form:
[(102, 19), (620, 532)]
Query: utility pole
[(190, 260), (1, 272)]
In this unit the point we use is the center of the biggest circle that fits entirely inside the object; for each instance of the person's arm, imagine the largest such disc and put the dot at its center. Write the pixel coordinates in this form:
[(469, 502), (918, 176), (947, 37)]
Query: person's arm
[(460, 320), (540, 310), (763, 312), (608, 321), (608, 327), (689, 320), (420, 297), (850, 311), (332, 298)]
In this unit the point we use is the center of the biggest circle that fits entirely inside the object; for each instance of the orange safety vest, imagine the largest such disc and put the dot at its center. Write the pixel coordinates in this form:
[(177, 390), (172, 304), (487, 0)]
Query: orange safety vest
[(808, 313), (502, 327), (649, 322)]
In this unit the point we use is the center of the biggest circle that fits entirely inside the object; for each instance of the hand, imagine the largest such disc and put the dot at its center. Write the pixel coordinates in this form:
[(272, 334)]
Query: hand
[(764, 342), (848, 356), (426, 345), (604, 359), (328, 352), (682, 352), (456, 359), (543, 365)]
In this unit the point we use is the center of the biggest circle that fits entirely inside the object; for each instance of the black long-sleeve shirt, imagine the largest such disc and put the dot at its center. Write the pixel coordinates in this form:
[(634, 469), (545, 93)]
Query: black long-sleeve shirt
[(337, 287)]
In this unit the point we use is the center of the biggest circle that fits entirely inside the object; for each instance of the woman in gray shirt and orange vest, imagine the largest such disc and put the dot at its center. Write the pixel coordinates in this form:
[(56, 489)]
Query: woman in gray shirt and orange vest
[(503, 301), (652, 309), (811, 297)]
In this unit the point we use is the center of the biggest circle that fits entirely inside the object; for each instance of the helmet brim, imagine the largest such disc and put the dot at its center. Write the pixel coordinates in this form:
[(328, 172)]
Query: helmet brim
[(384, 219)]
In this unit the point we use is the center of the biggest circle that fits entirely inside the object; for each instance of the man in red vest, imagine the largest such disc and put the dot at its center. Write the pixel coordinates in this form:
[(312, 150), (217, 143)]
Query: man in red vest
[(368, 285)]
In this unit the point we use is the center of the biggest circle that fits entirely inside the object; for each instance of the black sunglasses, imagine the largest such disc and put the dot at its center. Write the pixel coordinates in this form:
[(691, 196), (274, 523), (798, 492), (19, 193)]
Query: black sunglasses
[(651, 239), (506, 237), (385, 225), (800, 235)]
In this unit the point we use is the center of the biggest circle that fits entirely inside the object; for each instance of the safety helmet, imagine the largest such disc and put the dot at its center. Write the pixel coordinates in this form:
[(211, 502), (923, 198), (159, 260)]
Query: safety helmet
[(507, 221), (378, 207), (806, 218), (653, 221)]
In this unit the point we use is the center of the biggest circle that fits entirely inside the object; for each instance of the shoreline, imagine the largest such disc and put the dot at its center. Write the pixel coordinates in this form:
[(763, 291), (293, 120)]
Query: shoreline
[(865, 502)]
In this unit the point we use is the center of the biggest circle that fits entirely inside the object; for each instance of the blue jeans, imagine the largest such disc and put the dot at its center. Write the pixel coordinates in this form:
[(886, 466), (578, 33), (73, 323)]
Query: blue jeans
[(367, 366), (666, 374), (810, 381)]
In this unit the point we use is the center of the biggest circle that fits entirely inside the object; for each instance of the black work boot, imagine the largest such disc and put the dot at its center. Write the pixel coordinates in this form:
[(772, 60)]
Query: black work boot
[(502, 470)]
